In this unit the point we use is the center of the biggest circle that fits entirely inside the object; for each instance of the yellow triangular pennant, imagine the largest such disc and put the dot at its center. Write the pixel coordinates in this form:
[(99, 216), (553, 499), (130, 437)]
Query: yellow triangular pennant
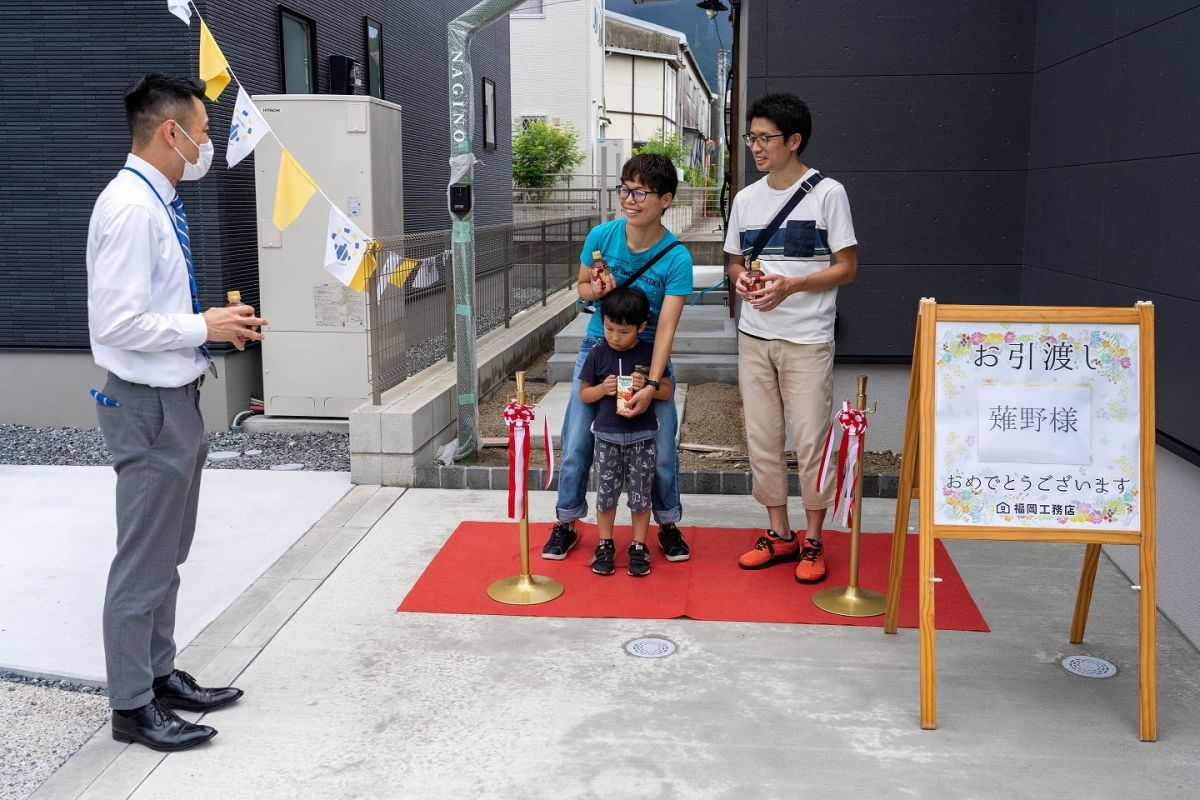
[(292, 191), (365, 270), (400, 274), (214, 69)]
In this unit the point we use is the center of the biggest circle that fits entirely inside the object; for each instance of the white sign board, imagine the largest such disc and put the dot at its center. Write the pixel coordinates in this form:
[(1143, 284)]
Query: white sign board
[(1036, 425)]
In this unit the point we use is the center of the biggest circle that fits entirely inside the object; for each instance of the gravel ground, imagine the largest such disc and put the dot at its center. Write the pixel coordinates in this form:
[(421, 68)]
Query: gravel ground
[(321, 452), (41, 724)]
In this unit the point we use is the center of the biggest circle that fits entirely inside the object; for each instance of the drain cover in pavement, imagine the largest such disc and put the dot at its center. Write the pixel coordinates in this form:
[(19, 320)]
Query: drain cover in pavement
[(1089, 667), (650, 648)]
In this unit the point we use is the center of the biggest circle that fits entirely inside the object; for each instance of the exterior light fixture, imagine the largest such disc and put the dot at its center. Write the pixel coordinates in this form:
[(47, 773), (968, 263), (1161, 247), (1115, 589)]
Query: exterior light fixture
[(712, 7)]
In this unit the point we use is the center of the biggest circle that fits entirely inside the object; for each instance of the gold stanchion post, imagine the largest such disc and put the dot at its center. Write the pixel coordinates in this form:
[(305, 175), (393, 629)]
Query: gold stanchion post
[(524, 589), (852, 600)]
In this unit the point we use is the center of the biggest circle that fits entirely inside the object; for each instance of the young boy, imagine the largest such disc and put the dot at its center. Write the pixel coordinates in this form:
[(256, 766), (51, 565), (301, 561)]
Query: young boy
[(785, 329), (648, 184), (625, 455)]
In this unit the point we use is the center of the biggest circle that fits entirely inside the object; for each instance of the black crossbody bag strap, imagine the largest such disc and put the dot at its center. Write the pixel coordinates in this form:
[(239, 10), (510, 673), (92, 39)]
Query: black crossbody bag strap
[(586, 305), (766, 233), (649, 264)]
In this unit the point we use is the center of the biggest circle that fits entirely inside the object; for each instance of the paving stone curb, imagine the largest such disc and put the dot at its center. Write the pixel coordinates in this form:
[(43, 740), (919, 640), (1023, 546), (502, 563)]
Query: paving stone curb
[(692, 481)]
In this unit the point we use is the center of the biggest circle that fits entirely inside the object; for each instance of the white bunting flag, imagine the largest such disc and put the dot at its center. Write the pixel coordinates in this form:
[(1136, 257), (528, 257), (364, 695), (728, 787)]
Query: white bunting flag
[(245, 129), (345, 246), (181, 9)]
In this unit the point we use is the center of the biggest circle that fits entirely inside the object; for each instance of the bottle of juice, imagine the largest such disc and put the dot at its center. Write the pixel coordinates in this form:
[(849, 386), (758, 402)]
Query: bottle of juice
[(233, 298), (599, 265), (755, 274)]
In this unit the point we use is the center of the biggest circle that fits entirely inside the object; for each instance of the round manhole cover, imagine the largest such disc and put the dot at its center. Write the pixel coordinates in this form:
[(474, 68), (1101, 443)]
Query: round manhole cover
[(1089, 667), (650, 648)]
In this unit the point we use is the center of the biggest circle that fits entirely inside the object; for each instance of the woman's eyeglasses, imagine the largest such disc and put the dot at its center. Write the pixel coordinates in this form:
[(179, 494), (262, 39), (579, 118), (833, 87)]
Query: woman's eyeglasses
[(637, 194)]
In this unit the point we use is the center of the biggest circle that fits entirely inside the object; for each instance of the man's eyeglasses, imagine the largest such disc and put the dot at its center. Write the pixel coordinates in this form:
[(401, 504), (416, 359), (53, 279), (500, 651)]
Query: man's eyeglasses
[(762, 139), (638, 194)]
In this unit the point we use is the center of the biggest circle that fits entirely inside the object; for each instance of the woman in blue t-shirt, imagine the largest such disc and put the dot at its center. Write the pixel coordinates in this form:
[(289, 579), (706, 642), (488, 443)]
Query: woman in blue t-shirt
[(648, 184)]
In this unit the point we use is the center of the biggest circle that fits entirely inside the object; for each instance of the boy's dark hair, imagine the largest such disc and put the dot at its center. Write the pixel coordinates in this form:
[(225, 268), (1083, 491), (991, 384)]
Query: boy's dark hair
[(156, 98), (625, 306), (788, 112), (655, 171)]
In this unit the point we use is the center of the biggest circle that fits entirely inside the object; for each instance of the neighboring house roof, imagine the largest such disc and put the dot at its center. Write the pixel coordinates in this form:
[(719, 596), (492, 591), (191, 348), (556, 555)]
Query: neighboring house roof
[(624, 34), (612, 15)]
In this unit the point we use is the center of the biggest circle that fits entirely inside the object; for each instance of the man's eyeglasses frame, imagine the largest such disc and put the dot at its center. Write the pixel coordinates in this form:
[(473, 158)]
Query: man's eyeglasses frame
[(750, 139)]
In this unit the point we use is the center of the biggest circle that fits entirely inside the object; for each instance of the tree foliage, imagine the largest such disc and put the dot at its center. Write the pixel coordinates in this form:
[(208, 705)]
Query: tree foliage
[(542, 151), (662, 144)]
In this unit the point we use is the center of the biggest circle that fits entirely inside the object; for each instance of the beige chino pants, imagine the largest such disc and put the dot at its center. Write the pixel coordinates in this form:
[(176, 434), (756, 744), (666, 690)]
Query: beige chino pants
[(778, 377)]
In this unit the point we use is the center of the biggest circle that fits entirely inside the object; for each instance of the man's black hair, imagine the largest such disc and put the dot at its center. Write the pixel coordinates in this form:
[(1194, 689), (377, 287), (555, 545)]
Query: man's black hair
[(788, 112), (156, 98), (654, 171), (625, 306)]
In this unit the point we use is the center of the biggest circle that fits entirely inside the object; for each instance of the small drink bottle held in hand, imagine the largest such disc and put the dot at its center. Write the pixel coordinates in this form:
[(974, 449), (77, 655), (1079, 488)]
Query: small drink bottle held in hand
[(599, 270), (755, 275)]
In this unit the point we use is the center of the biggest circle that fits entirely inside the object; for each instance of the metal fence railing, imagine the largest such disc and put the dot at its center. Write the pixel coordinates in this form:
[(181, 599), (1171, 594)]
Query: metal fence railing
[(410, 297), (692, 204)]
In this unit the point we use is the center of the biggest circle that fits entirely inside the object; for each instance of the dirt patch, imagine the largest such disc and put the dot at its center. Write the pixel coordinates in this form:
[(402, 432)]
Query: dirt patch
[(712, 436)]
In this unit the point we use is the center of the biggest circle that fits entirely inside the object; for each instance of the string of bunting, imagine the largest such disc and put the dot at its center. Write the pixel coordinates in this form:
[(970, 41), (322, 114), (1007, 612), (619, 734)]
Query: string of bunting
[(349, 252), (519, 419), (853, 424)]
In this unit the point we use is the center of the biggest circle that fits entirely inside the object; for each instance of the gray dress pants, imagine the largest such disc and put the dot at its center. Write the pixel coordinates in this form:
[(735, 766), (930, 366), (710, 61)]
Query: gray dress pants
[(158, 445)]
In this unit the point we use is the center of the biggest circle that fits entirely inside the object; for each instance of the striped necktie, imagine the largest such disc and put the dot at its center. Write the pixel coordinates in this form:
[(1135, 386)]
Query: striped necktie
[(185, 243)]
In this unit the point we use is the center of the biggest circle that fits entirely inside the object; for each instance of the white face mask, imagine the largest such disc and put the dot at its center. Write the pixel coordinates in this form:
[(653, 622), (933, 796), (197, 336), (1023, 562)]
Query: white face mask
[(194, 172)]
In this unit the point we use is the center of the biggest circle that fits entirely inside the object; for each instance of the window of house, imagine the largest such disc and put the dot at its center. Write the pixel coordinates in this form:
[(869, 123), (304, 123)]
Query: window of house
[(526, 120), (374, 58), (530, 8), (296, 36), (489, 115)]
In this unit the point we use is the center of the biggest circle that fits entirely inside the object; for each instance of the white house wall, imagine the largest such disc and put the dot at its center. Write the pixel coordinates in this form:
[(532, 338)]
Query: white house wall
[(640, 95), (557, 63)]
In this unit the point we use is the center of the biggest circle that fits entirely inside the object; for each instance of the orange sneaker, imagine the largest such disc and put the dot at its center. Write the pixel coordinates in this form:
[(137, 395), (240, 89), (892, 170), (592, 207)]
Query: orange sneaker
[(770, 549), (811, 568)]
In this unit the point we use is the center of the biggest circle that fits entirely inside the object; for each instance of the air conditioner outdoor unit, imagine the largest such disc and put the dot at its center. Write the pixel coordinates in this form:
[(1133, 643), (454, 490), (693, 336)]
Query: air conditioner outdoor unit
[(315, 356)]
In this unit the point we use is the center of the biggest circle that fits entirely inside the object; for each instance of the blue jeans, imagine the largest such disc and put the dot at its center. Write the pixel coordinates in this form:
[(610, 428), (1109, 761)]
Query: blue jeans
[(578, 446)]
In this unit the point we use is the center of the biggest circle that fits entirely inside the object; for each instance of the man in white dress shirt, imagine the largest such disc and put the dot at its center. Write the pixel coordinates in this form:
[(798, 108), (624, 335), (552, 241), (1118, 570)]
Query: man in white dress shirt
[(148, 331)]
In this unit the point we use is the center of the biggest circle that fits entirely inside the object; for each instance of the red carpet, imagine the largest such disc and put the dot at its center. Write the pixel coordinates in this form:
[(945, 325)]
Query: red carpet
[(710, 586)]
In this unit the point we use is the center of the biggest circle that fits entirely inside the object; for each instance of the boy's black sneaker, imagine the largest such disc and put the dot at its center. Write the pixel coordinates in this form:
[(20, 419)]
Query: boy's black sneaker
[(639, 560), (602, 561), (562, 539), (670, 538)]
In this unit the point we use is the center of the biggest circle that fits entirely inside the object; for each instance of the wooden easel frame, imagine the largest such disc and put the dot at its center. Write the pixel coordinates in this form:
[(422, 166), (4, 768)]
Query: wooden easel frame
[(917, 474)]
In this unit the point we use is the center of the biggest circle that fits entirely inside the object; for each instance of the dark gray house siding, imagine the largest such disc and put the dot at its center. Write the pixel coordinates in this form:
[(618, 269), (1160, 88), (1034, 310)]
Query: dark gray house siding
[(1021, 152), (1114, 179), (63, 135), (922, 111)]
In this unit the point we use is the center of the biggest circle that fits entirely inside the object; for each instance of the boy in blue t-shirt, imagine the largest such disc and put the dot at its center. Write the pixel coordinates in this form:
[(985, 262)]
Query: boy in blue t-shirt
[(625, 452), (628, 243)]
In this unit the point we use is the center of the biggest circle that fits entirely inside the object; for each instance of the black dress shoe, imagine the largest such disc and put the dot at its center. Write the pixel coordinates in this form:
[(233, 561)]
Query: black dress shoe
[(159, 728), (181, 691)]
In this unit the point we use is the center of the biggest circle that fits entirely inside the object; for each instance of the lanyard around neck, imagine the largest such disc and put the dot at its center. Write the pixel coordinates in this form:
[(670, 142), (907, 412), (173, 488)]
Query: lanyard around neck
[(178, 236)]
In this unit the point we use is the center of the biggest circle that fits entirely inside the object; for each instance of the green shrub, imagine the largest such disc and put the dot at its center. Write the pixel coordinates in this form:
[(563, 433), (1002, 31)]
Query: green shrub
[(542, 151)]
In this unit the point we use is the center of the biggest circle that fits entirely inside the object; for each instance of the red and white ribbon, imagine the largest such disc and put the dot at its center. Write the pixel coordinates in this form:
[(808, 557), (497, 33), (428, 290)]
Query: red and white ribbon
[(853, 423), (518, 418)]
